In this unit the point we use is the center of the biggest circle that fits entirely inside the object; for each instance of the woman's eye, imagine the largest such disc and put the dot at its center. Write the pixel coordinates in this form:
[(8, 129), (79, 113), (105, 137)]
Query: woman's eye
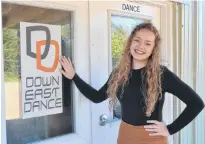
[(148, 44), (137, 40)]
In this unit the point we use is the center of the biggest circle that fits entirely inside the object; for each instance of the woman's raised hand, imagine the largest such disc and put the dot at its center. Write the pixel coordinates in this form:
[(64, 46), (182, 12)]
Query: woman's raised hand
[(68, 71)]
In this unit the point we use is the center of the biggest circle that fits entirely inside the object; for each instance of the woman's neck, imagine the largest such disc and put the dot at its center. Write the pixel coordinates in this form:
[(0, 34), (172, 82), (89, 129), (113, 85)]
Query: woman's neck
[(138, 64)]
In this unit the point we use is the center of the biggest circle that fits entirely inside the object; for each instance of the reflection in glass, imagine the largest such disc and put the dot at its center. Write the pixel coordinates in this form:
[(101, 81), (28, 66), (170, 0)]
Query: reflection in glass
[(23, 131), (121, 27)]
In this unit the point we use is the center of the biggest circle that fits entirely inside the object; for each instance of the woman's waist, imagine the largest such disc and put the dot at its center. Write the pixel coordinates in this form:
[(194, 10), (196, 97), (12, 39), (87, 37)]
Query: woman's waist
[(134, 124), (139, 121)]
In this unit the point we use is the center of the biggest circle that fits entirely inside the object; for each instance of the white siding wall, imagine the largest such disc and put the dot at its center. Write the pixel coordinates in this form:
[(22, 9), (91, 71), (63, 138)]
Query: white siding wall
[(189, 63), (200, 73), (193, 65)]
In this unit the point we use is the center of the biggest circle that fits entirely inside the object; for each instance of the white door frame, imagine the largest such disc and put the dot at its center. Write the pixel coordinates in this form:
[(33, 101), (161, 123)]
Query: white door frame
[(2, 99), (81, 107)]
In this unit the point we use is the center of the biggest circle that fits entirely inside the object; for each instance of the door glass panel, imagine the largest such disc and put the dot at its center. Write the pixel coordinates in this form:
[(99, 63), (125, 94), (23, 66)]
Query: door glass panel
[(19, 130), (121, 27)]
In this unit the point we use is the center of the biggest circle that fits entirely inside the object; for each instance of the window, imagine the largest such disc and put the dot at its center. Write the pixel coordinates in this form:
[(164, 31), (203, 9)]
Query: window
[(121, 27), (22, 131)]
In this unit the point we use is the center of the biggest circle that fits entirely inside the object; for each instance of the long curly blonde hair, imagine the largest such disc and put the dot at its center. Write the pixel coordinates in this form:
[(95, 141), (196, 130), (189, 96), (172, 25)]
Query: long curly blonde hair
[(151, 74)]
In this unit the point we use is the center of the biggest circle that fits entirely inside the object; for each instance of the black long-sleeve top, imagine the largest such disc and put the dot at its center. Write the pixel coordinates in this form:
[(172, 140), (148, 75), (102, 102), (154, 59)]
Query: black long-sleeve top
[(131, 102)]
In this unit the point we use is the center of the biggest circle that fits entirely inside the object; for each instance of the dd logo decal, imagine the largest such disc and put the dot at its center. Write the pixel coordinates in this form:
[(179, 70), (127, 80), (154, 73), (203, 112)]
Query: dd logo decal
[(47, 42)]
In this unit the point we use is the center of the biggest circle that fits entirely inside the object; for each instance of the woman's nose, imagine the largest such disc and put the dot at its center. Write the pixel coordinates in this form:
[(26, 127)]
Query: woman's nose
[(141, 46)]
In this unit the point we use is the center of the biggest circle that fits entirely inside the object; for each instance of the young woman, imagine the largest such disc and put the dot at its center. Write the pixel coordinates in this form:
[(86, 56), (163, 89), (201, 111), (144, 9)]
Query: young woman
[(139, 82)]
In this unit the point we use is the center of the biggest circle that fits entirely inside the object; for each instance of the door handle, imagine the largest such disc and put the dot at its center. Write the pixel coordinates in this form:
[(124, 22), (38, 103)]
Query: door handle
[(104, 119)]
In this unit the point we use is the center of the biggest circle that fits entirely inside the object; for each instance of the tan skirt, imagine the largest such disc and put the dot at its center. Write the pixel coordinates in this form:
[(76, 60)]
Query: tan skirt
[(129, 134)]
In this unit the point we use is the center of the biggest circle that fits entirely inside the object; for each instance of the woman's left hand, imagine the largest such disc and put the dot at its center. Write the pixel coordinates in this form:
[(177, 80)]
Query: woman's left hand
[(157, 128)]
